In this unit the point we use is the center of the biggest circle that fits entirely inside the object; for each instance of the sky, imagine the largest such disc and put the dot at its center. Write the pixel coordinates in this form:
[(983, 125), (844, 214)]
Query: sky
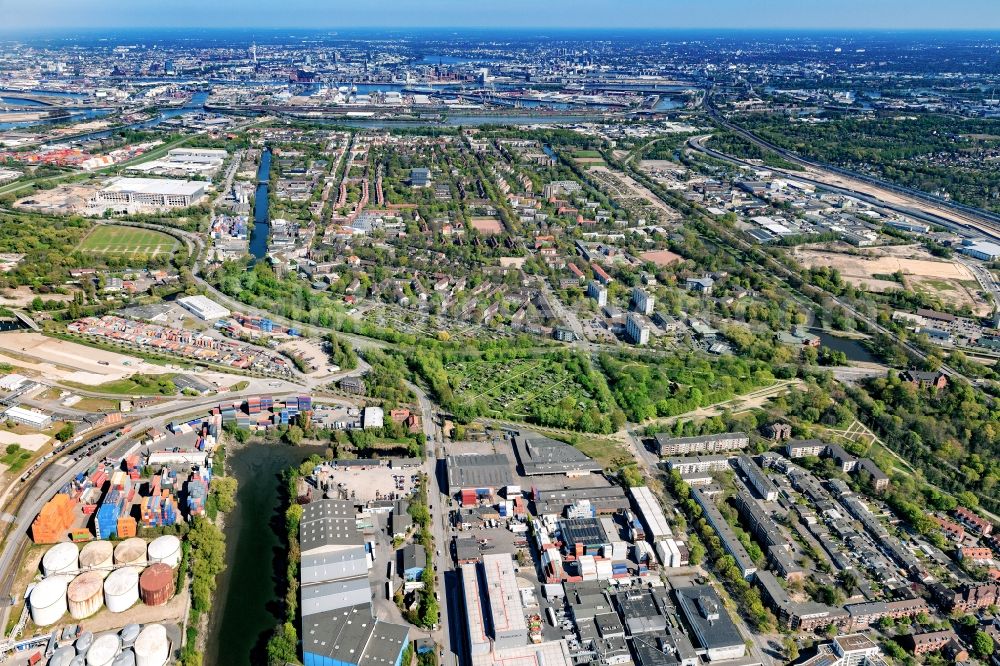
[(723, 14)]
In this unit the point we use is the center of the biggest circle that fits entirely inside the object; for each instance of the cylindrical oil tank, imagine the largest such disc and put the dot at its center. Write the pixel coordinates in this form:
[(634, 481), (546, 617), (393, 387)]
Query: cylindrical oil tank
[(61, 558), (98, 555), (62, 656), (84, 642), (132, 552), (130, 632), (125, 658), (48, 601), (85, 594), (156, 584), (104, 650), (152, 647), (121, 589), (166, 549)]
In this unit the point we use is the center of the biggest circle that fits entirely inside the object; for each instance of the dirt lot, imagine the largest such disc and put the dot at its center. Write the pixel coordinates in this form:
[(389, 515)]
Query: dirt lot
[(69, 361), (22, 297), (487, 226), (948, 280)]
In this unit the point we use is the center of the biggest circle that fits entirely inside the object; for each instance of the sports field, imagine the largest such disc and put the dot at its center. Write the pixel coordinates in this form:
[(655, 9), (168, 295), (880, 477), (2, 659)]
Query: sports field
[(131, 241)]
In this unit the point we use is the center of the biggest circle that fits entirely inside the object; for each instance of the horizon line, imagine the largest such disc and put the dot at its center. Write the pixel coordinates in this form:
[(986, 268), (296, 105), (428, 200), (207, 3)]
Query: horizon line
[(829, 29)]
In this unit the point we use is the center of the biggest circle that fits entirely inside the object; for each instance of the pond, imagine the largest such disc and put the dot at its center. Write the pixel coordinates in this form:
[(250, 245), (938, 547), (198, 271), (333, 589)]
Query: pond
[(853, 348)]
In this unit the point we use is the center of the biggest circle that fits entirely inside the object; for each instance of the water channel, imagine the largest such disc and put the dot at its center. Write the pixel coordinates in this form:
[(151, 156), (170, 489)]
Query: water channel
[(247, 603), (261, 207)]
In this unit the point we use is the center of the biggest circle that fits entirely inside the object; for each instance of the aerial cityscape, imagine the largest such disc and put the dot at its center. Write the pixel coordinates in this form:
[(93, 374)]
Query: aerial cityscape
[(640, 333)]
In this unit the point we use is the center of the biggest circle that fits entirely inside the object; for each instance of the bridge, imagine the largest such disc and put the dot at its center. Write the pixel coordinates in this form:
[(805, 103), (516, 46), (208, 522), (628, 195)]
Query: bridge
[(23, 317)]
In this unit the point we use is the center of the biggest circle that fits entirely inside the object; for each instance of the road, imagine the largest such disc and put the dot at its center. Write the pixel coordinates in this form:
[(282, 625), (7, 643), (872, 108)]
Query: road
[(439, 528), (984, 276)]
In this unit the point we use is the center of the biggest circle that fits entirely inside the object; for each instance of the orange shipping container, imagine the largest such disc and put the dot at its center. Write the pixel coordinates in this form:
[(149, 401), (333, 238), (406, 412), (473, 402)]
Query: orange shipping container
[(126, 527), (53, 520)]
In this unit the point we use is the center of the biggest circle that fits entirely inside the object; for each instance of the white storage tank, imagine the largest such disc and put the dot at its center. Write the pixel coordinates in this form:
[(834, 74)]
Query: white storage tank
[(129, 633), (121, 589), (125, 658), (166, 549), (61, 558), (98, 555), (84, 642), (85, 594), (48, 601), (133, 552), (152, 647), (62, 657), (104, 650)]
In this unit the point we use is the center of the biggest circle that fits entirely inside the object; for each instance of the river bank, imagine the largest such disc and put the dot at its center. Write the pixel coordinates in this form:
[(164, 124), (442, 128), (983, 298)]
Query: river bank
[(248, 598)]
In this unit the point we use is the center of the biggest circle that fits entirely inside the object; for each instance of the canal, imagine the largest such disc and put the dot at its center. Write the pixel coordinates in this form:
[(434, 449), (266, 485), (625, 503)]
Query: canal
[(261, 207), (247, 602)]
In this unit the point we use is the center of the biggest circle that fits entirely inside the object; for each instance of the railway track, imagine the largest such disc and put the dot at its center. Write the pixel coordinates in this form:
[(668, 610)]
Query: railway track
[(968, 217)]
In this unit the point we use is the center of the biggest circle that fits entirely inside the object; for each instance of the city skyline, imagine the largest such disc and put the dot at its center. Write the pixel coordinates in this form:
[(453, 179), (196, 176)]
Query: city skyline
[(581, 14)]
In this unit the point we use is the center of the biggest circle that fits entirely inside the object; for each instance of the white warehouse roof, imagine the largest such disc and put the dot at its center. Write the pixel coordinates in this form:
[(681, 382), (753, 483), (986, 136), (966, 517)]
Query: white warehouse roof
[(165, 186), (203, 307)]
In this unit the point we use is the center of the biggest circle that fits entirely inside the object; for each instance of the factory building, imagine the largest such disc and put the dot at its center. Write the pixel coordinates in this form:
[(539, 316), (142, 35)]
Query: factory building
[(714, 633), (542, 455), (482, 474), (156, 192), (338, 624), (29, 417), (203, 308)]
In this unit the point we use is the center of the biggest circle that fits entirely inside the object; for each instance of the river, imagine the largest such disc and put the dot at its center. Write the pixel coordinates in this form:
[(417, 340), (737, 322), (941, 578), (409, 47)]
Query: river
[(261, 208), (247, 602)]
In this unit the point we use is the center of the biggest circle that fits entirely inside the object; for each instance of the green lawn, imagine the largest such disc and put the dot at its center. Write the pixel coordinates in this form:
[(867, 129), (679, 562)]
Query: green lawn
[(15, 458), (139, 385), (586, 154), (131, 241)]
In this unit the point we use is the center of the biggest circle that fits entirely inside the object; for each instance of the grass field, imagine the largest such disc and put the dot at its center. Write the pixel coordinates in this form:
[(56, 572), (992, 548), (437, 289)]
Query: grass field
[(130, 241), (137, 385)]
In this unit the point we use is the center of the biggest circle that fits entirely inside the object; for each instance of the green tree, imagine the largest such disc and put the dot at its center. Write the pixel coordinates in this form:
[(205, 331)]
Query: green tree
[(983, 644), (65, 433), (281, 648)]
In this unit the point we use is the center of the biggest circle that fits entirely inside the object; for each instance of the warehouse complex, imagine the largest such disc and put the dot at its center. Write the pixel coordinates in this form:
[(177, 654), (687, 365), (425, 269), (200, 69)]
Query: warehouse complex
[(339, 626)]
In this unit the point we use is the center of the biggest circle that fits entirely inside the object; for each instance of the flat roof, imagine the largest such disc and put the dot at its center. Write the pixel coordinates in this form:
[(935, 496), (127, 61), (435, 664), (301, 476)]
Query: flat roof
[(587, 531), (543, 455), (352, 635), (708, 618), (155, 186), (328, 523), (490, 470)]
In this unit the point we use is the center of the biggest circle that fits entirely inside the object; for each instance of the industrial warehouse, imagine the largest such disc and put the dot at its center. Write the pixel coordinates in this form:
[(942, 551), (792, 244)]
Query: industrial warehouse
[(145, 194)]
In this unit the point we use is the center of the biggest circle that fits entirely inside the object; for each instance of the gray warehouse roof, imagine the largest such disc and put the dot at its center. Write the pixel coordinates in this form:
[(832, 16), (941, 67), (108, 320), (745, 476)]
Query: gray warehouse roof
[(478, 471), (542, 455), (352, 635), (708, 618), (335, 594)]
